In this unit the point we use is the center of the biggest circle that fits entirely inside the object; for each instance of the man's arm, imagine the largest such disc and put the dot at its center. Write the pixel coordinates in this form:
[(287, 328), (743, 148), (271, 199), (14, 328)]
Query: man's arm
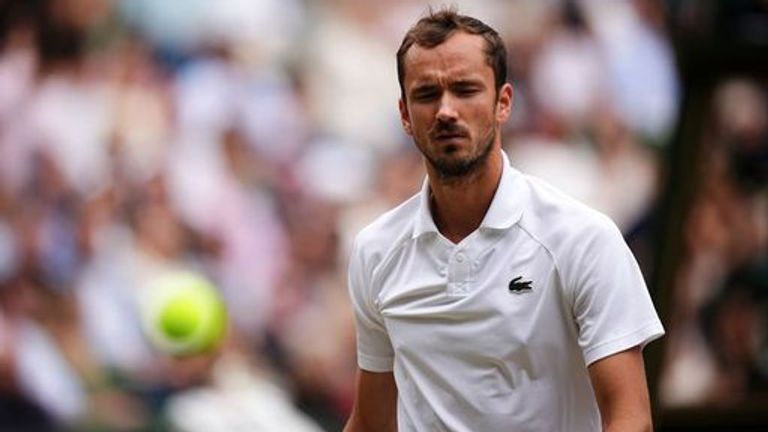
[(375, 407), (622, 392)]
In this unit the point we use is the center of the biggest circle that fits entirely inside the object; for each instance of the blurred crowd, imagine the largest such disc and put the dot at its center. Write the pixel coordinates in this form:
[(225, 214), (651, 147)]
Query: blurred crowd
[(249, 140), (717, 352)]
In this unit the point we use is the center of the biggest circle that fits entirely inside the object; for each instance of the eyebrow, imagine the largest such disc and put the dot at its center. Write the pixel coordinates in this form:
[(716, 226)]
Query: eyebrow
[(467, 82), (462, 83)]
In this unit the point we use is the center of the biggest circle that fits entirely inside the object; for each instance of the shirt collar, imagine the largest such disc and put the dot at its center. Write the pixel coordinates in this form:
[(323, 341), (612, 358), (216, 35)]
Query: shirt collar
[(505, 210), (424, 222)]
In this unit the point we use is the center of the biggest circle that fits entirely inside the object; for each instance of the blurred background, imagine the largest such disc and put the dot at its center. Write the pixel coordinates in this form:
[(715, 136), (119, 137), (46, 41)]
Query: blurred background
[(250, 140)]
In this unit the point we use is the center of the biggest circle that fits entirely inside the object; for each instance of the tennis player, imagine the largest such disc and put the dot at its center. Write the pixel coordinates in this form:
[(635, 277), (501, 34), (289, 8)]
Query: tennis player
[(489, 301)]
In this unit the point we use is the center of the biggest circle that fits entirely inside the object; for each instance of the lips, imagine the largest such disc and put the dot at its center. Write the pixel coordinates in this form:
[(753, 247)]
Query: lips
[(448, 132), (449, 136), (445, 136)]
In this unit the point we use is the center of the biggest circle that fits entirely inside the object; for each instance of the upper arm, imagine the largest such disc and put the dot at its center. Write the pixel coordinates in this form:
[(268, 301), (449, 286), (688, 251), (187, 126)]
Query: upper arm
[(374, 349), (621, 390), (611, 305), (375, 407), (615, 318)]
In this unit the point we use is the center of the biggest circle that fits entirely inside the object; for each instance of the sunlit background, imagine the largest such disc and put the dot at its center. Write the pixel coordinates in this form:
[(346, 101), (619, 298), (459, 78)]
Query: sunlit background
[(249, 140)]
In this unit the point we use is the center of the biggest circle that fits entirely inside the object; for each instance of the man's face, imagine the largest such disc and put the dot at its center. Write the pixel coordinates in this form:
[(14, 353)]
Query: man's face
[(451, 107)]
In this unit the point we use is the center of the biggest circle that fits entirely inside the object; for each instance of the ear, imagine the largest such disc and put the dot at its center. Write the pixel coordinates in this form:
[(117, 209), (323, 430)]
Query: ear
[(504, 104), (405, 117)]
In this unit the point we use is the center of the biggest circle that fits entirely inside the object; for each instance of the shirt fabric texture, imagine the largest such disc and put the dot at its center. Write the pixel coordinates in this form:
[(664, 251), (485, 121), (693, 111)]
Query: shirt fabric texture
[(496, 332)]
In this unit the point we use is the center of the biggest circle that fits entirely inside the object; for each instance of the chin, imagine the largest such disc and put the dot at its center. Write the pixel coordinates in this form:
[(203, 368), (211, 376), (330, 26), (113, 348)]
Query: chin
[(453, 150), (455, 167), (459, 163)]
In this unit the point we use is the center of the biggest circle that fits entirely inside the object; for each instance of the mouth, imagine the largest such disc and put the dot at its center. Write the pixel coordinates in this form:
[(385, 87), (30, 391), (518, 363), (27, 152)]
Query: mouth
[(445, 137)]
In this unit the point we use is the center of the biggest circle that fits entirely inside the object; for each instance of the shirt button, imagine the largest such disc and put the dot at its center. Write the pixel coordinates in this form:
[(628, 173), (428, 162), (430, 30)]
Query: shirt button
[(459, 257)]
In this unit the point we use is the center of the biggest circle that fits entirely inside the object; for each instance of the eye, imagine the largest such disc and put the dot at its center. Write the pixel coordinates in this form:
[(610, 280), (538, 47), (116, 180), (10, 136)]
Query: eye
[(467, 88), (425, 96), (467, 91)]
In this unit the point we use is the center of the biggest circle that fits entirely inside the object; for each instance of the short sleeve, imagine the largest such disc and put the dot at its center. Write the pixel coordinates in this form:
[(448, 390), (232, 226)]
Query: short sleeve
[(374, 349), (611, 304)]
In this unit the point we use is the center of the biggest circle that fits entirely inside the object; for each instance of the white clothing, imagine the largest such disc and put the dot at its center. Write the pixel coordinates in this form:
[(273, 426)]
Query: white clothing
[(472, 346)]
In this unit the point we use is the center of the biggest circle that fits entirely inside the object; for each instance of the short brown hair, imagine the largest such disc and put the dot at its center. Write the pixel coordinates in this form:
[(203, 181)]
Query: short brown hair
[(437, 26)]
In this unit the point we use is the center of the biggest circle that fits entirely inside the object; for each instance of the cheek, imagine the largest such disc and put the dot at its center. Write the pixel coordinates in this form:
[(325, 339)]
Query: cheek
[(421, 120), (483, 116)]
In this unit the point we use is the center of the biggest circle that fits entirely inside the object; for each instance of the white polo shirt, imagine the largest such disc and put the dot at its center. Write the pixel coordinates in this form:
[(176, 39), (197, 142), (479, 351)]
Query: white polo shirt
[(495, 333)]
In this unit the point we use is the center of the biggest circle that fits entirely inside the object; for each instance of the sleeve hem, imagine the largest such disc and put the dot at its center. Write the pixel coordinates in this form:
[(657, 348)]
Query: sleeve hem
[(640, 337), (374, 364)]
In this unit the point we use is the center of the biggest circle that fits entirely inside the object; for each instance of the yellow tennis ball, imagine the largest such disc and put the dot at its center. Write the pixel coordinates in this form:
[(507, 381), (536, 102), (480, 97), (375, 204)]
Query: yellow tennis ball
[(184, 314)]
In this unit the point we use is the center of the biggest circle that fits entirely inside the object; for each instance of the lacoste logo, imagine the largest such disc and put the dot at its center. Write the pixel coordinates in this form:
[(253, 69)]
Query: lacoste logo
[(518, 285)]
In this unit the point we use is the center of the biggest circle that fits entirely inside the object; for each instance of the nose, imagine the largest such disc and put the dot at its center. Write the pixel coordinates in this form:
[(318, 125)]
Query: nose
[(446, 111)]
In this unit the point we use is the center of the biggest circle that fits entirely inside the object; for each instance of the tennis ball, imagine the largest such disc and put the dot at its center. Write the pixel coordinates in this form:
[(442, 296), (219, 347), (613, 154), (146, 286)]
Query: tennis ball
[(184, 314)]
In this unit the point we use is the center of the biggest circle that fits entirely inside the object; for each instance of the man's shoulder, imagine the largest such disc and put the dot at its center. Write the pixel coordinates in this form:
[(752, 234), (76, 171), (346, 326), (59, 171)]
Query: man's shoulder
[(389, 229), (561, 222)]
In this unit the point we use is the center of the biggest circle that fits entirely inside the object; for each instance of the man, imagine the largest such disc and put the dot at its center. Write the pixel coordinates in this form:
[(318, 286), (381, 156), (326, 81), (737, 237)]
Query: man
[(488, 301)]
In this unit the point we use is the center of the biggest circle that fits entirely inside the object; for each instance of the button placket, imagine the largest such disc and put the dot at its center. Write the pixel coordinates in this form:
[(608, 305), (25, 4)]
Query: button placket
[(459, 271)]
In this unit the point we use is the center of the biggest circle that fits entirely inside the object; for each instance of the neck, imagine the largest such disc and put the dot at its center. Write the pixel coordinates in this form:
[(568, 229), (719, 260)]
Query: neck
[(459, 205)]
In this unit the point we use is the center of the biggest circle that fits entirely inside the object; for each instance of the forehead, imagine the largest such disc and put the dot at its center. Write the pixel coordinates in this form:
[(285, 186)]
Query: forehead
[(462, 55)]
